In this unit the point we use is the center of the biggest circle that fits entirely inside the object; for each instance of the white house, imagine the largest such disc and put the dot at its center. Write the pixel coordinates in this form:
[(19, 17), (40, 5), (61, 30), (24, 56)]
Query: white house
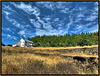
[(24, 43)]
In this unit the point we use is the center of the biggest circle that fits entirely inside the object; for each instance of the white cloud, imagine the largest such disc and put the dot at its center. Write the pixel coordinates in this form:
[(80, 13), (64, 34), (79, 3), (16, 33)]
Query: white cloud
[(22, 32), (38, 25), (25, 33), (51, 31), (47, 18), (27, 8), (47, 26), (46, 32), (69, 24), (49, 5), (96, 3), (56, 19), (16, 24), (11, 30), (96, 30), (93, 13), (13, 21), (96, 8), (91, 18), (13, 33), (11, 37), (62, 6), (3, 34), (88, 24), (7, 13), (64, 10), (8, 35), (73, 15), (35, 23), (8, 8), (92, 28), (32, 21), (79, 27), (8, 29), (80, 15)]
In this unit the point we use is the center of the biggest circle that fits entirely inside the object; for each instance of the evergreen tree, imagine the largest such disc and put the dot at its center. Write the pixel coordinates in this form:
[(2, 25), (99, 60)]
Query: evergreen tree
[(66, 40)]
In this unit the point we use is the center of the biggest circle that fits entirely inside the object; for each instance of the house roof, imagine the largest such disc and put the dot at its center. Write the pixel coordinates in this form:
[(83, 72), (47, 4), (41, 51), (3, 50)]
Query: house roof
[(25, 40), (28, 41)]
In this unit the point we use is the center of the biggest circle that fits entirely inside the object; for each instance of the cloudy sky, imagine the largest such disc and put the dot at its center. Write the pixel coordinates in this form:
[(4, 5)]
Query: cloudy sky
[(29, 19)]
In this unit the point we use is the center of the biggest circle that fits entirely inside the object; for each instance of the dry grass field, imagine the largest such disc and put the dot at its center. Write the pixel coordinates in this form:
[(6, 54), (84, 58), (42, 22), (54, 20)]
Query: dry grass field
[(40, 60)]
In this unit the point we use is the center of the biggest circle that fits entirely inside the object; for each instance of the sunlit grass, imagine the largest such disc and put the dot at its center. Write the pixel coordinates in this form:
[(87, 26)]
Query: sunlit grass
[(78, 54), (33, 60), (46, 48)]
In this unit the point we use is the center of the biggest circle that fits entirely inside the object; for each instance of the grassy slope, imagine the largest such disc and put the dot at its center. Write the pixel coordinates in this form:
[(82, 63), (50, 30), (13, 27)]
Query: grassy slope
[(50, 48), (19, 60)]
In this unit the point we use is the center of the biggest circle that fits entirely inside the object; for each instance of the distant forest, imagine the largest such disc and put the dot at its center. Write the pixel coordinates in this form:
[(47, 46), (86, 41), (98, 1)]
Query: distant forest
[(66, 40)]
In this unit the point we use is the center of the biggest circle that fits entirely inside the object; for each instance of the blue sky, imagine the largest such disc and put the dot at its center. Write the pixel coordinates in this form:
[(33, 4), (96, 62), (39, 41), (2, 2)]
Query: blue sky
[(29, 19)]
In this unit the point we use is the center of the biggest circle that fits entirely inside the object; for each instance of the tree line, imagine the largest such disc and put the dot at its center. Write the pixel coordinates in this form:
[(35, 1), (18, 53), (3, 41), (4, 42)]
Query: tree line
[(66, 40)]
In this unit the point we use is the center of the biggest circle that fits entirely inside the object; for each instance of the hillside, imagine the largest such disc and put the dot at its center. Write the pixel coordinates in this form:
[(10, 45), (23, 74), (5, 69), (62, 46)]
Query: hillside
[(48, 60)]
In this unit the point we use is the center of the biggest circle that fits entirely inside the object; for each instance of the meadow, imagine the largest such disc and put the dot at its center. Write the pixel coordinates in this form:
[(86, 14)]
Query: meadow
[(48, 60)]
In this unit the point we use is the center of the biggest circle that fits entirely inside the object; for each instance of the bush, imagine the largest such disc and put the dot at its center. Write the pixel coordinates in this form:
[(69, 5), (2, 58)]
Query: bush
[(66, 68), (83, 42)]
